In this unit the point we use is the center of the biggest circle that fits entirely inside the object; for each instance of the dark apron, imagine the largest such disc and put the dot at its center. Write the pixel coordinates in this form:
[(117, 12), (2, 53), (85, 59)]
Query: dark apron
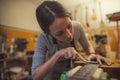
[(60, 67)]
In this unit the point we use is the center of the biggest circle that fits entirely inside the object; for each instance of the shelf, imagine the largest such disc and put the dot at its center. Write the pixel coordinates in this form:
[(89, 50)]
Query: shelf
[(114, 16), (14, 61)]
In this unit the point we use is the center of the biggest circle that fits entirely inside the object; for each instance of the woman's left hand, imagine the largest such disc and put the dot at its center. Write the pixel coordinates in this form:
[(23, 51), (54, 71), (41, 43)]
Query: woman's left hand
[(99, 58)]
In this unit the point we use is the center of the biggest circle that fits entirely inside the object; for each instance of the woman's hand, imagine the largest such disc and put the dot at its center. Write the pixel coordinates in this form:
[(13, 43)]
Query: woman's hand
[(68, 53), (100, 59)]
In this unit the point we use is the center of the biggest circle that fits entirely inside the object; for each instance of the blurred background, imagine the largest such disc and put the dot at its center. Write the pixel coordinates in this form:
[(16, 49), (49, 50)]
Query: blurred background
[(19, 31)]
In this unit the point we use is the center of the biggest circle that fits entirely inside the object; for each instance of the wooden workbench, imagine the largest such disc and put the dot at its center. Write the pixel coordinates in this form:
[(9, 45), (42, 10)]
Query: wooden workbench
[(112, 70)]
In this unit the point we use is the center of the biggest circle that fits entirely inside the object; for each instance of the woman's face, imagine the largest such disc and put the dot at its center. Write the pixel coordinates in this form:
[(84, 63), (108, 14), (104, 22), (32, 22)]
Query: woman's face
[(61, 29)]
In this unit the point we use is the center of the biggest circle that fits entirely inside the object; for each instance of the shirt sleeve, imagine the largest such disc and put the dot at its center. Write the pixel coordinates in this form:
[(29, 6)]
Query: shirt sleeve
[(83, 39), (39, 53)]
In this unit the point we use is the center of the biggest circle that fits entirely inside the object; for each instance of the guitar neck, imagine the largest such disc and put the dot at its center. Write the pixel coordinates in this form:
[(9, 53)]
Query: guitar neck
[(94, 17), (101, 22), (87, 24)]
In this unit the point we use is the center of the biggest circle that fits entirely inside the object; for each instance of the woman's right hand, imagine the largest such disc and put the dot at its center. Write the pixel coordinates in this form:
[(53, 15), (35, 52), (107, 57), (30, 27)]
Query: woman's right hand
[(68, 53)]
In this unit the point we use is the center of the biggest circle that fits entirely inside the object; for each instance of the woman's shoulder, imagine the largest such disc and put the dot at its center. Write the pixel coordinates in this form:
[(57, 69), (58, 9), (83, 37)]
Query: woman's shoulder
[(44, 37), (77, 25), (41, 35)]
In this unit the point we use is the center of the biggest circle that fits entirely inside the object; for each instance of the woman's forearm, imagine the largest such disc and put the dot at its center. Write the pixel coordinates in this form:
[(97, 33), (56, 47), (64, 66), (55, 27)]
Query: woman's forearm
[(42, 70)]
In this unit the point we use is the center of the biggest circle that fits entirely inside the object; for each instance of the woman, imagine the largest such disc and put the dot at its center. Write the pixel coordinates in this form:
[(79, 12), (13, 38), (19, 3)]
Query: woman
[(59, 41)]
